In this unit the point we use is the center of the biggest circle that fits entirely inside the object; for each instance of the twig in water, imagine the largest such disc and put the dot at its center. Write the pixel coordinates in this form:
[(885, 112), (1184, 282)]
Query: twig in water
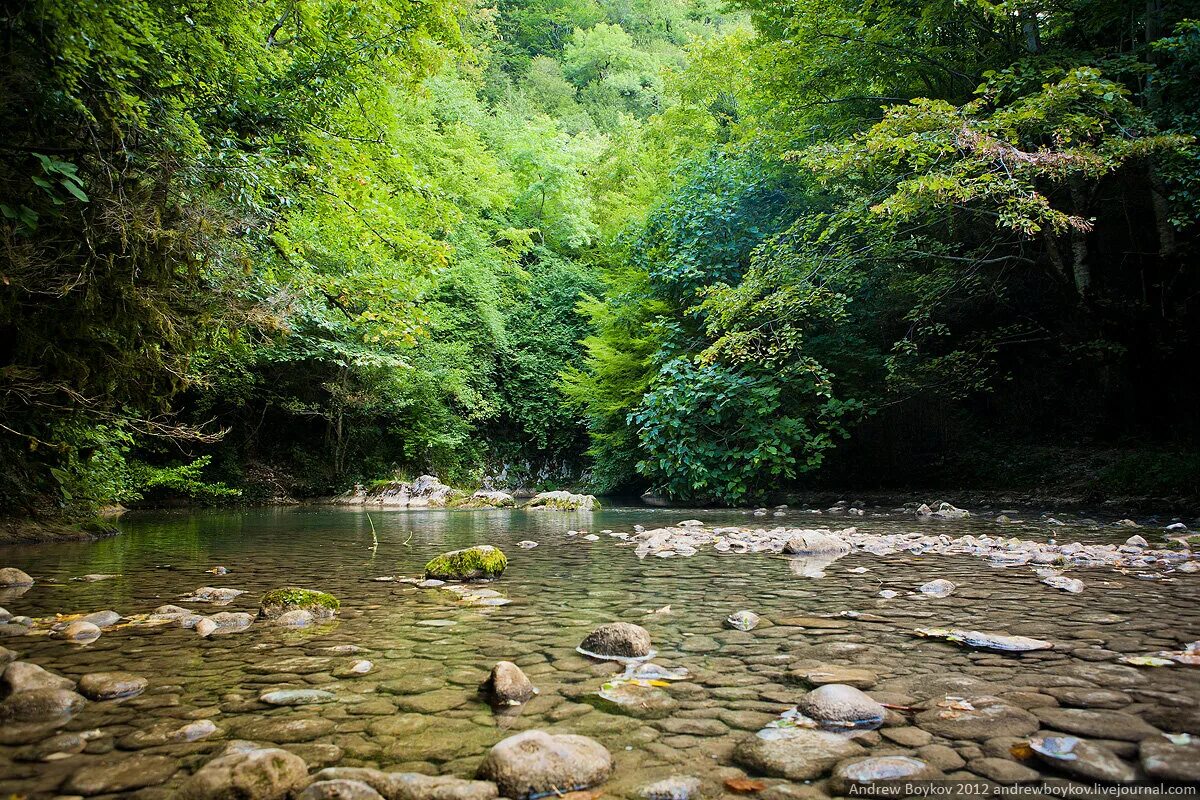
[(374, 536)]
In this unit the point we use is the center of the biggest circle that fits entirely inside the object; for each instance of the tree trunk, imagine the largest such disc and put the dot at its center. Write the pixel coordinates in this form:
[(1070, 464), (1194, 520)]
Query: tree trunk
[(1027, 15)]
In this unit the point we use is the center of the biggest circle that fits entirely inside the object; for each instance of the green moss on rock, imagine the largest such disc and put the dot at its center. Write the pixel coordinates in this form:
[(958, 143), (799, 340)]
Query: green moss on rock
[(482, 562), (291, 598), (564, 501)]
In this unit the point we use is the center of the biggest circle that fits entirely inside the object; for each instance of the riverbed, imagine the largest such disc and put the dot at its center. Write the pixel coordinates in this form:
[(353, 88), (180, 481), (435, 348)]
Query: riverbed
[(419, 709)]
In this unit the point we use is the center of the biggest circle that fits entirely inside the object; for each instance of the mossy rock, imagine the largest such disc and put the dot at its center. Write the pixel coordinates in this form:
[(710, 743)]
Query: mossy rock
[(322, 605), (564, 501), (480, 563)]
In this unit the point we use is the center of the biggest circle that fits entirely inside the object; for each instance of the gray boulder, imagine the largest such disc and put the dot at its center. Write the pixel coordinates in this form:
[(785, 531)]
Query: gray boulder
[(617, 640)]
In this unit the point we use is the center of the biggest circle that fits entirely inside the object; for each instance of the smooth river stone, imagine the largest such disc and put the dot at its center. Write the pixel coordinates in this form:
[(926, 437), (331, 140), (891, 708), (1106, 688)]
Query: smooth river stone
[(858, 677), (801, 755), (297, 697), (990, 717), (1171, 760), (1096, 724), (122, 774), (1081, 758), (857, 776), (111, 685), (285, 730), (22, 676)]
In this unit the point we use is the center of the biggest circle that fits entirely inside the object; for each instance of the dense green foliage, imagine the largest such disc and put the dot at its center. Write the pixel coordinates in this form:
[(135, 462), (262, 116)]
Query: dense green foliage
[(716, 252)]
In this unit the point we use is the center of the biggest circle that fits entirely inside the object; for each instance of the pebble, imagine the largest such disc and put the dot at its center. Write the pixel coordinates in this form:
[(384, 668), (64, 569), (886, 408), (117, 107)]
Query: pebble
[(111, 685)]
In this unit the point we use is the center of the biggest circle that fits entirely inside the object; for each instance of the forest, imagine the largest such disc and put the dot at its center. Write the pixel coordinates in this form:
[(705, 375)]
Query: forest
[(717, 251)]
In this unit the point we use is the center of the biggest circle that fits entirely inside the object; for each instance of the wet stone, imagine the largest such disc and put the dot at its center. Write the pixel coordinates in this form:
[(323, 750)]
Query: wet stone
[(285, 730), (840, 706), (340, 789), (111, 685), (121, 774), (1171, 758), (535, 762), (1004, 771), (247, 772), (676, 787), (22, 676), (297, 697), (1096, 724), (858, 677), (1080, 758), (861, 775), (801, 755), (985, 718)]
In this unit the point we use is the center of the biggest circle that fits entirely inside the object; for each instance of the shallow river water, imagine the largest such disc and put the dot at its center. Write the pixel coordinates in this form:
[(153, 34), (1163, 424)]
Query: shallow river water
[(418, 709)]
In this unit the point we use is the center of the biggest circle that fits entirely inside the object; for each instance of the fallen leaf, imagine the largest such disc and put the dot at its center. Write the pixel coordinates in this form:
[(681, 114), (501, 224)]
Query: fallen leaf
[(1021, 751), (744, 785)]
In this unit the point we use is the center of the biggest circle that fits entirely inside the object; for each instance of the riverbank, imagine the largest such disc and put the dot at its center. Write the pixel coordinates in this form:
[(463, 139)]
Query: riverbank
[(15, 530)]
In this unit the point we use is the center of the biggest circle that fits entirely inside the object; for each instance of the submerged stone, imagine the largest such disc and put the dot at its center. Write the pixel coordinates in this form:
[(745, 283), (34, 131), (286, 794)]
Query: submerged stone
[(121, 774), (676, 787), (297, 697), (1081, 758), (801, 755), (1172, 758), (976, 718), (743, 620), (111, 685), (884, 775)]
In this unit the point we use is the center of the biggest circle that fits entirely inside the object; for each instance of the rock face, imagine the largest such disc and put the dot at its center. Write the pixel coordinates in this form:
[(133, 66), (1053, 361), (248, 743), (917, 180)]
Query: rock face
[(815, 543), (564, 501), (425, 492), (617, 640), (251, 774), (111, 685), (11, 576), (278, 602), (536, 762), (801, 755), (836, 705), (507, 684), (480, 563)]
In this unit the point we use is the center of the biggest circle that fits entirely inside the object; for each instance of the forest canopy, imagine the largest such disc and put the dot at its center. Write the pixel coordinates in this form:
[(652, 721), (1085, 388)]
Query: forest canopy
[(715, 251)]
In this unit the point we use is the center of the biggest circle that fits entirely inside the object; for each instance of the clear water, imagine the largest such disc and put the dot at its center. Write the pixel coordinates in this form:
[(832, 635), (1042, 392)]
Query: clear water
[(419, 708)]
